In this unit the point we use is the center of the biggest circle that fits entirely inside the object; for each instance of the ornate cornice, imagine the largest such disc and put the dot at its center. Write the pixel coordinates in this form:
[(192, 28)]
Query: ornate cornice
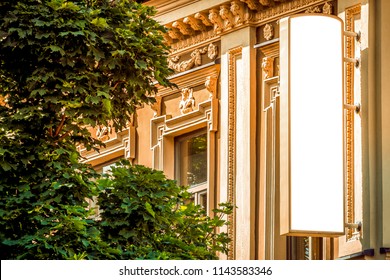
[(208, 25)]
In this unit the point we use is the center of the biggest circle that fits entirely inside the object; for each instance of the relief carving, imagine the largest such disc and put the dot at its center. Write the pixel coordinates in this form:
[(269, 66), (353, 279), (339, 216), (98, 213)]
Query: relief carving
[(195, 60), (211, 86), (195, 24), (204, 18), (184, 28), (103, 132), (168, 39), (327, 8), (265, 2), (187, 102), (268, 67), (227, 16), (241, 12), (216, 20), (268, 32), (241, 16), (174, 33), (212, 51), (313, 10), (252, 4)]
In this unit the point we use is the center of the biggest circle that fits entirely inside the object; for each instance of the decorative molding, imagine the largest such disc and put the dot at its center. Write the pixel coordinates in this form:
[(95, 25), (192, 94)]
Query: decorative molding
[(269, 183), (350, 13), (191, 80), (233, 54), (116, 146), (268, 32), (211, 85), (187, 102), (284, 8)]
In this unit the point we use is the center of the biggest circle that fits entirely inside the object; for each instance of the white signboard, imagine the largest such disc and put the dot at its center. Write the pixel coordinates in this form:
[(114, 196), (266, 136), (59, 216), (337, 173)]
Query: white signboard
[(311, 128)]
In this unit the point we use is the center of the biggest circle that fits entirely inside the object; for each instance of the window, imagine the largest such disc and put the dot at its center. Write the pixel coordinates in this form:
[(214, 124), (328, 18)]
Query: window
[(191, 164), (304, 248)]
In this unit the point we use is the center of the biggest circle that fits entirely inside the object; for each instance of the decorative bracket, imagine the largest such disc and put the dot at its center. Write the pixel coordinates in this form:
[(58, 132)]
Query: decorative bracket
[(355, 61), (357, 35), (357, 225), (355, 107)]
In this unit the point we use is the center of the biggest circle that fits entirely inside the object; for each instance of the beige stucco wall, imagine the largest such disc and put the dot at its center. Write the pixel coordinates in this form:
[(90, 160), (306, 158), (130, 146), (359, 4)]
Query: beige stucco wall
[(144, 154)]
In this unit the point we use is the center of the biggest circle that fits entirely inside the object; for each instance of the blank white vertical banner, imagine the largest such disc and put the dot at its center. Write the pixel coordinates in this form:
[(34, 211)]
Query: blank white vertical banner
[(312, 100)]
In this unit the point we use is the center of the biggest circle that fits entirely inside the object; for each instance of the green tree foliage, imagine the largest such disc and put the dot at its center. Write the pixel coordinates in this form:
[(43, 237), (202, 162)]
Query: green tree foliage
[(64, 66), (81, 62), (144, 216)]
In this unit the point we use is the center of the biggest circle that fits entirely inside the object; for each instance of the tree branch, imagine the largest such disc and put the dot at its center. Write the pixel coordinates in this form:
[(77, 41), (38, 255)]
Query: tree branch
[(63, 136), (58, 130)]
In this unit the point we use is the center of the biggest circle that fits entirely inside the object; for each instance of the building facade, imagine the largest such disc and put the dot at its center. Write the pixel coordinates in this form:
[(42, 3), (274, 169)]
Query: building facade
[(219, 131)]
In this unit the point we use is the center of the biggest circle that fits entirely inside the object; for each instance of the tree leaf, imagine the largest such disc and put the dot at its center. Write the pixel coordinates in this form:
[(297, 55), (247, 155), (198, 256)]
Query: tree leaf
[(149, 208)]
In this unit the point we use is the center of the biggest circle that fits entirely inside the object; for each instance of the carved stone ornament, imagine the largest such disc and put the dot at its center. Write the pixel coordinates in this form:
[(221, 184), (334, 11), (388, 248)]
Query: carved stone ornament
[(227, 16), (268, 67), (252, 4), (265, 2), (211, 86), (238, 10), (204, 18), (103, 132), (212, 51), (215, 18), (195, 60), (327, 8), (187, 102), (174, 33), (195, 23), (268, 32), (184, 28), (313, 10)]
